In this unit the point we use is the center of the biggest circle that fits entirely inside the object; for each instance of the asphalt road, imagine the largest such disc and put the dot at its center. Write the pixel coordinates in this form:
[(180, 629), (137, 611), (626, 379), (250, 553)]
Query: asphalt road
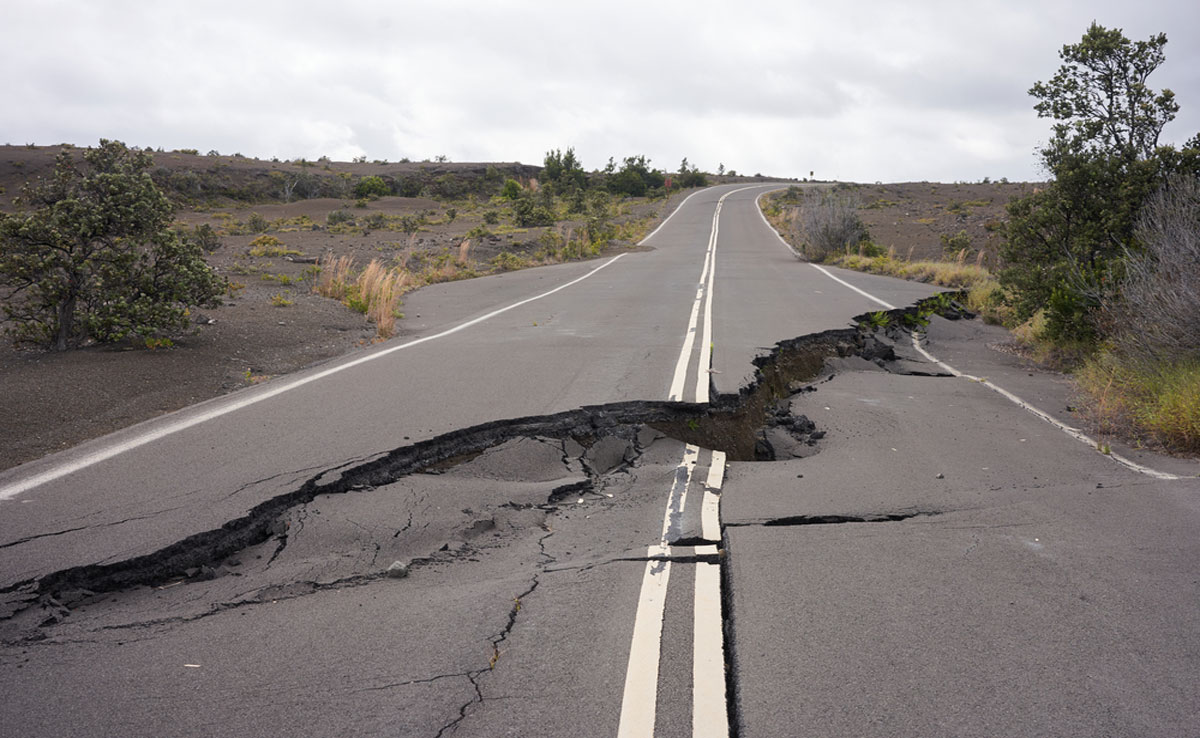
[(941, 562)]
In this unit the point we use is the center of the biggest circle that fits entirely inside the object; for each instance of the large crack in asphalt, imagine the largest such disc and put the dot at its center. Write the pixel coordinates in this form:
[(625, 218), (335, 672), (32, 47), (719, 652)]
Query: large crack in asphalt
[(596, 442)]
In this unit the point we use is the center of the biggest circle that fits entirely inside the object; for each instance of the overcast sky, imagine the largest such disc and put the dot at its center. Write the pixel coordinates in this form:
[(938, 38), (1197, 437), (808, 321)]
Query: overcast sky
[(864, 91)]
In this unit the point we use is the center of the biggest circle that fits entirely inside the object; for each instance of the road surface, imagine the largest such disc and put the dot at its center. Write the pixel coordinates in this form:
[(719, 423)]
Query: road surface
[(537, 514)]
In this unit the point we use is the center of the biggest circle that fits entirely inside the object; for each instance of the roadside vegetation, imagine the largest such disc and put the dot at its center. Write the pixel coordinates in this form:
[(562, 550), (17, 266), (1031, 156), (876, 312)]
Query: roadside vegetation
[(1097, 271), (95, 257), (96, 253)]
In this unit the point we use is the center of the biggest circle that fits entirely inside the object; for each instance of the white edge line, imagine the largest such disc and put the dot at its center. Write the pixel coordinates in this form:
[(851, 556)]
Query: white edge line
[(96, 457), (1072, 432), (770, 227), (672, 215), (867, 295), (1069, 430), (12, 490)]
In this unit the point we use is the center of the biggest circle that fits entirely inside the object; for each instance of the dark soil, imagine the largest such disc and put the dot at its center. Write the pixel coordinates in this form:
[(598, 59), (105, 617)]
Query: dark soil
[(912, 217), (271, 323)]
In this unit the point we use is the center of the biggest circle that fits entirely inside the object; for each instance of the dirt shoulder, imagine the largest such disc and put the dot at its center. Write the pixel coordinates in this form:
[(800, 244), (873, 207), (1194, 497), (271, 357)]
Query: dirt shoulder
[(271, 323)]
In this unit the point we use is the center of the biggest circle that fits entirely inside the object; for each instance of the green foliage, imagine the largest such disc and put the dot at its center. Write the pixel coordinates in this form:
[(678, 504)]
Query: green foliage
[(371, 187), (956, 244), (1066, 245), (528, 212), (205, 237), (257, 224), (563, 172), (511, 189), (690, 176), (96, 257), (270, 246), (491, 217), (634, 178), (1156, 400), (410, 224), (877, 319), (506, 261)]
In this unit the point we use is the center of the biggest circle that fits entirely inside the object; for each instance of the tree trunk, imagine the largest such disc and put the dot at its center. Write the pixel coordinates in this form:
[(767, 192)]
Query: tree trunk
[(66, 323)]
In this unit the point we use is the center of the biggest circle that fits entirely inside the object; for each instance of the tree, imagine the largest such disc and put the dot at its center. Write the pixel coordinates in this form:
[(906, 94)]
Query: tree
[(1066, 244), (691, 176), (635, 177), (562, 171), (97, 258), (1101, 98)]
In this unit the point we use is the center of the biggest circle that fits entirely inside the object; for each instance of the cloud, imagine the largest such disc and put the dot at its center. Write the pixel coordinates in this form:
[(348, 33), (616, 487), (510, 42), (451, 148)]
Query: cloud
[(883, 90)]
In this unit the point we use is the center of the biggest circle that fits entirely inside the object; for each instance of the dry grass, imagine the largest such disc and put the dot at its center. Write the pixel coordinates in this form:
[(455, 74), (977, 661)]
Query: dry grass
[(378, 289), (375, 292), (955, 273), (984, 295), (1157, 401), (334, 281)]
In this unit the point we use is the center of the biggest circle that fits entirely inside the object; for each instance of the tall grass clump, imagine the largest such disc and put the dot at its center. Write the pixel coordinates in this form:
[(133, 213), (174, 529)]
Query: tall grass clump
[(334, 278), (378, 291), (1157, 401), (375, 292)]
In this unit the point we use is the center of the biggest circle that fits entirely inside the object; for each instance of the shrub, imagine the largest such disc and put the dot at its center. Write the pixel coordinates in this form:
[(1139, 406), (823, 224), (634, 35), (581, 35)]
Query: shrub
[(528, 213), (371, 187), (491, 217), (257, 224), (205, 237), (511, 189), (958, 243), (507, 261), (337, 217), (635, 178), (98, 259), (1157, 314), (830, 224), (269, 246)]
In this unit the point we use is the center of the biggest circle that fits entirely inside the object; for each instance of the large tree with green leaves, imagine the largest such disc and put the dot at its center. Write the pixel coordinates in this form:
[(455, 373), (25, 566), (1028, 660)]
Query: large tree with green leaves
[(1066, 243), (95, 256)]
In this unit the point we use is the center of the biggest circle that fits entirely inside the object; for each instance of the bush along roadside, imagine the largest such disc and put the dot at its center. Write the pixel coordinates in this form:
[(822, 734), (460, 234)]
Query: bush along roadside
[(1100, 270)]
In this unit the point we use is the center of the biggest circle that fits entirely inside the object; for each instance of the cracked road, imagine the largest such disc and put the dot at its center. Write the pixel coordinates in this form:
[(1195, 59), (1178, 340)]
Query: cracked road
[(615, 507)]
